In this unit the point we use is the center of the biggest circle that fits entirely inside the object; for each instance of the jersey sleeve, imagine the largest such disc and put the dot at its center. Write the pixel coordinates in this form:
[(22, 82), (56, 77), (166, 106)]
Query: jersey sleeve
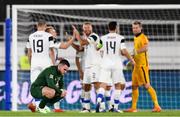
[(122, 44), (93, 38), (51, 41), (145, 40), (61, 83), (51, 84), (56, 45), (28, 44)]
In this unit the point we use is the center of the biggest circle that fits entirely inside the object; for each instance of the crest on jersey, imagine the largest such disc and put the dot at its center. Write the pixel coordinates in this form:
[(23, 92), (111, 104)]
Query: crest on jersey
[(51, 76)]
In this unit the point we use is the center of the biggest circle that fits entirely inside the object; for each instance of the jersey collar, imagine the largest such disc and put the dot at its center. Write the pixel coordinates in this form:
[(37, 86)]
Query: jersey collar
[(138, 34)]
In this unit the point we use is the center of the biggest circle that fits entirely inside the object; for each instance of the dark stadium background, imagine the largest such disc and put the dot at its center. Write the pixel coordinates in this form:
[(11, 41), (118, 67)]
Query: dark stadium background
[(3, 3)]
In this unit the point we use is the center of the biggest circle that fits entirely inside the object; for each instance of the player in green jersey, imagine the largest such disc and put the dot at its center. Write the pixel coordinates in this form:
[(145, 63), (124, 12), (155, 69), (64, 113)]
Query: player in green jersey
[(49, 85)]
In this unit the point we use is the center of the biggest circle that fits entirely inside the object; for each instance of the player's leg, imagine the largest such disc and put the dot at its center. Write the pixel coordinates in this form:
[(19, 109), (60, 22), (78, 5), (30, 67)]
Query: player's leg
[(119, 83), (149, 88), (82, 95), (47, 95), (34, 74), (81, 75), (87, 89), (135, 91), (103, 78), (108, 97), (95, 72)]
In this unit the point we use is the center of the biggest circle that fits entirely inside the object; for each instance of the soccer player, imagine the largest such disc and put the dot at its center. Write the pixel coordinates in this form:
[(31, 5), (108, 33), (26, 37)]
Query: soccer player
[(140, 75), (49, 85), (55, 57), (113, 46), (92, 61), (79, 60), (39, 44)]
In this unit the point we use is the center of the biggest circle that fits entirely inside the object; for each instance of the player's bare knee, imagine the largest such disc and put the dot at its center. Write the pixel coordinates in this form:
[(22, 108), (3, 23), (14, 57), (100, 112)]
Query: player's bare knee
[(103, 85), (118, 86), (96, 85), (87, 87), (48, 92), (108, 88), (147, 86), (122, 86)]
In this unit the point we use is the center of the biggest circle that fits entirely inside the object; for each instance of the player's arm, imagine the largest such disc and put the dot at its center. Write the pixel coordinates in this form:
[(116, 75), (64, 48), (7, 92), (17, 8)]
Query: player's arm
[(78, 37), (61, 87), (143, 49), (51, 49), (125, 53), (77, 47), (65, 45), (61, 84), (29, 54), (52, 55), (51, 84)]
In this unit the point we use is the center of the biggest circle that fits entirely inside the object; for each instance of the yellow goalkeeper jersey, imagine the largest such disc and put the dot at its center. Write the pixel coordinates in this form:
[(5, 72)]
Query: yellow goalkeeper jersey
[(142, 58)]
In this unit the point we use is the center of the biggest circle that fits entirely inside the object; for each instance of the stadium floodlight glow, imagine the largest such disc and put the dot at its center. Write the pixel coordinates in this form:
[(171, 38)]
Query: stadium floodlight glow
[(160, 29)]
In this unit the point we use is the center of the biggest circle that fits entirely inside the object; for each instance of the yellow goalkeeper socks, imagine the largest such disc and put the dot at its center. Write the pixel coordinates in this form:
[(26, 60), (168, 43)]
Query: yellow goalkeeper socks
[(153, 95), (135, 95)]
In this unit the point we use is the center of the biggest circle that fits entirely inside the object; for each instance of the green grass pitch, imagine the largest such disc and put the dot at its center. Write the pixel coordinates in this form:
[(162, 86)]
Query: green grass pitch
[(146, 113)]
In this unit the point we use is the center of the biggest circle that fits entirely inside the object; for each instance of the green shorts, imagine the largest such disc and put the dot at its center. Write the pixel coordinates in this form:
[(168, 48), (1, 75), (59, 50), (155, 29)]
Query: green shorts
[(36, 91)]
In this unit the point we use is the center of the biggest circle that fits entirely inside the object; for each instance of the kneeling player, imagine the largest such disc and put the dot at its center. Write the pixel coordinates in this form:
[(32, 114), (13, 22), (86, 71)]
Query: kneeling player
[(49, 85)]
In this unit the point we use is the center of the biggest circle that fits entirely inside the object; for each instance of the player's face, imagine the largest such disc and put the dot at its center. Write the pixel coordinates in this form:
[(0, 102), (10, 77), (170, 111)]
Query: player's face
[(53, 33), (64, 69), (136, 29), (87, 29)]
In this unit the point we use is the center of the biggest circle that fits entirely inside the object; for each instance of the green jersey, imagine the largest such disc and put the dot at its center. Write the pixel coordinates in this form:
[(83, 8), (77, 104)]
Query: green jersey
[(51, 78)]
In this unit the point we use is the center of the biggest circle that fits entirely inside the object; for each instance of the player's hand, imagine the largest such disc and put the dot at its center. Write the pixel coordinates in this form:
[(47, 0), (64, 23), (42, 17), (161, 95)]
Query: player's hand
[(133, 62), (67, 36), (63, 94), (74, 29)]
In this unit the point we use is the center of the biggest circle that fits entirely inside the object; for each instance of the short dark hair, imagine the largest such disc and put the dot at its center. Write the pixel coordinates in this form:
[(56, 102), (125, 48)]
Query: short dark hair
[(137, 23), (64, 62), (112, 25)]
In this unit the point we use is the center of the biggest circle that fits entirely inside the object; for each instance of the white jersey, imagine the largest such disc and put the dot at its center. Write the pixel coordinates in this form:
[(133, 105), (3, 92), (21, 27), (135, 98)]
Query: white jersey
[(92, 56), (40, 42), (112, 44)]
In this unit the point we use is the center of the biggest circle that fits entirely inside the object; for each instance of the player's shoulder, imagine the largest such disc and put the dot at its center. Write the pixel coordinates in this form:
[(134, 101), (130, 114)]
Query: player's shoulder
[(50, 69), (46, 34), (120, 36), (94, 36), (104, 36), (143, 36), (32, 34)]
